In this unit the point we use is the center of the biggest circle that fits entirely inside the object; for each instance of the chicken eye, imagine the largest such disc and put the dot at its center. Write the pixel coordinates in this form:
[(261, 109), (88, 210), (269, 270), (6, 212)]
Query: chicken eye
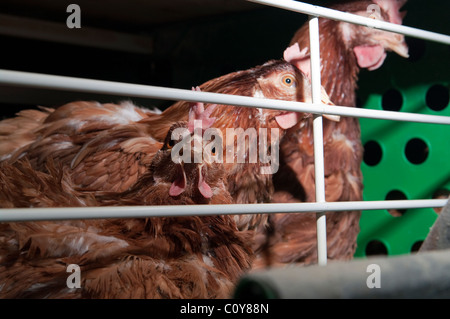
[(288, 80), (213, 151), (170, 144)]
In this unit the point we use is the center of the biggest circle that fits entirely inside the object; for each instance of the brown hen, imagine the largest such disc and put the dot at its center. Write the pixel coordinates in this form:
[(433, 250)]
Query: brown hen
[(107, 147), (170, 257)]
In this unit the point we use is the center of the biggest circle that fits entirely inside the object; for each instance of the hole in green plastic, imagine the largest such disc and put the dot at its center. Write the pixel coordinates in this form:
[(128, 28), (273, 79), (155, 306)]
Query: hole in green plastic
[(437, 97), (372, 153), (416, 246), (392, 100), (396, 195), (376, 247), (416, 151)]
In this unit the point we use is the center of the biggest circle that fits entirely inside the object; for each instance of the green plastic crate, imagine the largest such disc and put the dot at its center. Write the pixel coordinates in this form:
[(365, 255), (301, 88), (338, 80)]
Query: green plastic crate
[(398, 174), (403, 159)]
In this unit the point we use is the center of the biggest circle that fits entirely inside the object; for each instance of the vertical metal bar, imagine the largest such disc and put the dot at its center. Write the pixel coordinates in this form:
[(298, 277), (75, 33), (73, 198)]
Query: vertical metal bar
[(318, 139)]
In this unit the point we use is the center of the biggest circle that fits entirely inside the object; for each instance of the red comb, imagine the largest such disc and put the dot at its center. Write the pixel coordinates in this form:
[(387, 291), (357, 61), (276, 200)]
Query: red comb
[(392, 7), (299, 58), (198, 112)]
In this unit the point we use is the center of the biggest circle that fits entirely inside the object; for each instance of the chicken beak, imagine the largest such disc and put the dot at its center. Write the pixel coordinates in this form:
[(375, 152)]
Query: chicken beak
[(325, 99), (334, 118), (396, 43), (401, 48)]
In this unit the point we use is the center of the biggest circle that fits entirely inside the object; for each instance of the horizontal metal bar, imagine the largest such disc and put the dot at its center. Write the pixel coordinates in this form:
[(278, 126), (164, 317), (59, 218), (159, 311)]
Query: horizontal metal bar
[(56, 82), (310, 9), (63, 213)]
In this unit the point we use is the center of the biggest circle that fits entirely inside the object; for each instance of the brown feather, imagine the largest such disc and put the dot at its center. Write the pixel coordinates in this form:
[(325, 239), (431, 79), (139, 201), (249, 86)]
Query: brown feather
[(174, 257)]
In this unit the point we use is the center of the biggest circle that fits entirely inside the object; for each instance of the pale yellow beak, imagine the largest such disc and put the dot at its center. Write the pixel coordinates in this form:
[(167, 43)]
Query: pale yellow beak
[(394, 42), (326, 100)]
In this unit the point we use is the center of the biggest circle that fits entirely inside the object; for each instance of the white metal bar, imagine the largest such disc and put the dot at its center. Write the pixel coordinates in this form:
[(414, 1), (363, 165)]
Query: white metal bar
[(383, 115), (57, 82), (63, 213), (310, 9), (319, 170), (316, 97)]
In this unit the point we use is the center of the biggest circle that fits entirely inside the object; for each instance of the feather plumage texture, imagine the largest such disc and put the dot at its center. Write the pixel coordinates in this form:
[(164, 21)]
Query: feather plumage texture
[(183, 257), (104, 145), (174, 257)]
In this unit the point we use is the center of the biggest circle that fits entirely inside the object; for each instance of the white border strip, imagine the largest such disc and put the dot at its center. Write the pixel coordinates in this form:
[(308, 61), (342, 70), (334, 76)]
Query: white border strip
[(57, 82), (64, 213), (310, 9)]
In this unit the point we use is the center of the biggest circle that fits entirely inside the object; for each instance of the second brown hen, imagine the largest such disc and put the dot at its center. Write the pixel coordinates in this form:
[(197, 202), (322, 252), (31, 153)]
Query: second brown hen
[(344, 49)]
